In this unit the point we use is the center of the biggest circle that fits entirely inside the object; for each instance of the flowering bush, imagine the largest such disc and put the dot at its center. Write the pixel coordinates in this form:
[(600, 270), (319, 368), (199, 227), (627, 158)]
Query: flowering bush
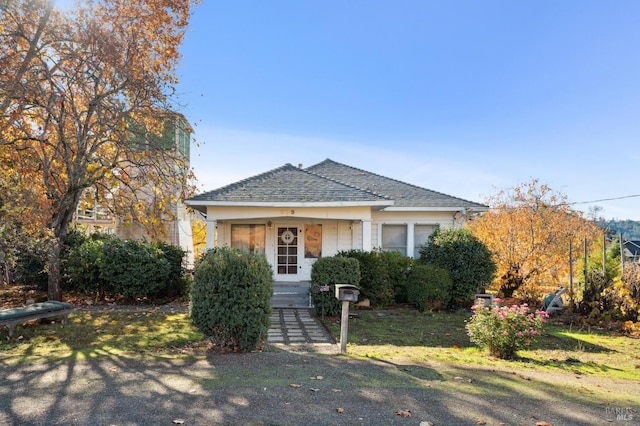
[(503, 330)]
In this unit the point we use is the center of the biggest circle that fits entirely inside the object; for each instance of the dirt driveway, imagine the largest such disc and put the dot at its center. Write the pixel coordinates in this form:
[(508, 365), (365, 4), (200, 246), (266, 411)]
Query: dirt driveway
[(271, 388)]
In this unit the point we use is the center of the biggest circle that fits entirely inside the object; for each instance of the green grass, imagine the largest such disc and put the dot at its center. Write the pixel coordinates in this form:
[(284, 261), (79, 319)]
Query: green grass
[(441, 337), (92, 334)]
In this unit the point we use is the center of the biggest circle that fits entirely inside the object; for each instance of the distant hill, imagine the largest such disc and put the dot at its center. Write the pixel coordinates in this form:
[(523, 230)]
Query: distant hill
[(630, 228)]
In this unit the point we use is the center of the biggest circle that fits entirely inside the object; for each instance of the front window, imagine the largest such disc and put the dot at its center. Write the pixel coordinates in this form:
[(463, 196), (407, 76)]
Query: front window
[(249, 238), (394, 238), (421, 234)]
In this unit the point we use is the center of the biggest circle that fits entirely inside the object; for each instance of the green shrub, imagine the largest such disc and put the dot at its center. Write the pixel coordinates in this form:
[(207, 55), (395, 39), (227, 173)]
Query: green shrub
[(109, 266), (231, 298), (179, 281), (375, 284), (465, 257), (328, 271), (134, 268), (429, 287), (398, 267), (83, 266)]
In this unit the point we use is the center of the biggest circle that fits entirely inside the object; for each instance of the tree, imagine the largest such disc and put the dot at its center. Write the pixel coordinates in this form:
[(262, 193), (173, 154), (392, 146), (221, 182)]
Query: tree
[(85, 106), (528, 229), (465, 257)]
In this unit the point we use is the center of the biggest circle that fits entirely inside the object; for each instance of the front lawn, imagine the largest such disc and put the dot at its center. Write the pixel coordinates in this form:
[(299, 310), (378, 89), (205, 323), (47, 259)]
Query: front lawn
[(441, 337)]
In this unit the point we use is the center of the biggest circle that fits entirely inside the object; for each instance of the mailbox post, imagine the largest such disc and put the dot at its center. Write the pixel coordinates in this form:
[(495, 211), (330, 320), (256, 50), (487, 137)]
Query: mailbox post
[(345, 293)]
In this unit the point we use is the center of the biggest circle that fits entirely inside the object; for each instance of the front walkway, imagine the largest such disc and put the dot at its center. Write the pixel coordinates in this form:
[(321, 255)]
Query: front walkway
[(299, 328)]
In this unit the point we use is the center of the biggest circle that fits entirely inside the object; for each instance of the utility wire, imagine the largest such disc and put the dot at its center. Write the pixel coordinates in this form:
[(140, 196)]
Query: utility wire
[(604, 199)]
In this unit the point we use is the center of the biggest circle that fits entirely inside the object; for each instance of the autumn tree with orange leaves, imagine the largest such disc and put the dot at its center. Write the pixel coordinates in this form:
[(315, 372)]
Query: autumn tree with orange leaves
[(528, 230), (83, 101)]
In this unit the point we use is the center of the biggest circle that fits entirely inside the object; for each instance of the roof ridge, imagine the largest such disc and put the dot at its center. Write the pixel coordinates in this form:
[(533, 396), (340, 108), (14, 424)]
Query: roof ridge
[(328, 160), (349, 185), (243, 182)]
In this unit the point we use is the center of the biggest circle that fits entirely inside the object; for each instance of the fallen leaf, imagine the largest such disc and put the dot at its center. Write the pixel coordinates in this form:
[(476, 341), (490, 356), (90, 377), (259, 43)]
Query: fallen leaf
[(480, 422), (404, 413), (294, 385), (314, 389), (340, 410), (316, 378), (178, 422), (543, 423)]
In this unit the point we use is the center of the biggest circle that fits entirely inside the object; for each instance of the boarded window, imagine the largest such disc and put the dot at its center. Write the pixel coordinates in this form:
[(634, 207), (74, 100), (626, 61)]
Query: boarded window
[(312, 241), (249, 238)]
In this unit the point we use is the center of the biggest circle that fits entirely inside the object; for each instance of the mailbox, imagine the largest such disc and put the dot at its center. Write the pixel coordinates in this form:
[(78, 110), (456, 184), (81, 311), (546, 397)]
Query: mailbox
[(347, 292)]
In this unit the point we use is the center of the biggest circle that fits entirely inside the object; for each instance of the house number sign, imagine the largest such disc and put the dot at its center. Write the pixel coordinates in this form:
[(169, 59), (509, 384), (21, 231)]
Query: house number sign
[(287, 237)]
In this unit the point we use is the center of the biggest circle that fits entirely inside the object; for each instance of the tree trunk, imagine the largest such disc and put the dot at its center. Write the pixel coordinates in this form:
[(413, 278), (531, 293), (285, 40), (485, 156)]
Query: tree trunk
[(54, 290), (60, 225)]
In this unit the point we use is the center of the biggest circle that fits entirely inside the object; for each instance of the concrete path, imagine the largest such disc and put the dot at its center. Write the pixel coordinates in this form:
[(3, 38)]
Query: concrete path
[(298, 328)]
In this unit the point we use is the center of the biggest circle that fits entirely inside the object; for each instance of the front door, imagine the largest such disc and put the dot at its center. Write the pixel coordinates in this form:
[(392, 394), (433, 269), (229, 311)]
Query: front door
[(287, 249)]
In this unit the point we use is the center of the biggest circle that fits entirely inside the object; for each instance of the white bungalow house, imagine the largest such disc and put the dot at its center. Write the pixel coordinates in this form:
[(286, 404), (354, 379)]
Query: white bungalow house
[(295, 215)]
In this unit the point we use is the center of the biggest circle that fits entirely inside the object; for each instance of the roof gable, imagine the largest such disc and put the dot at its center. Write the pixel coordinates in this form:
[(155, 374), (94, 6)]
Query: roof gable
[(403, 194), (289, 184)]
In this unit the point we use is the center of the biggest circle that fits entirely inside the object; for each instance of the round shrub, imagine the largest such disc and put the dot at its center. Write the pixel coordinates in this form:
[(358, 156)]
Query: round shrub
[(329, 271), (428, 287), (374, 284), (466, 258), (231, 298)]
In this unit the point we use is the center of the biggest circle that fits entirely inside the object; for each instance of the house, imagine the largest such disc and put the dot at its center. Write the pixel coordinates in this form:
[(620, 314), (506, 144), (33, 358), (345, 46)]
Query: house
[(631, 251), (294, 215), (94, 215)]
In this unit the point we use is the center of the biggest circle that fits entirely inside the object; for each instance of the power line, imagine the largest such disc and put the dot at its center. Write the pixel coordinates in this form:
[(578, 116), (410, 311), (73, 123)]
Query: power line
[(604, 199)]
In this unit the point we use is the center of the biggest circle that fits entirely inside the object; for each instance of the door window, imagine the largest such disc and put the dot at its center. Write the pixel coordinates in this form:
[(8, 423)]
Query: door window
[(287, 250)]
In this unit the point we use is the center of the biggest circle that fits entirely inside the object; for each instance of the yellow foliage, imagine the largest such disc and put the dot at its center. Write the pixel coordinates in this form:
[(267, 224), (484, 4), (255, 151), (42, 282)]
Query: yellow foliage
[(528, 230)]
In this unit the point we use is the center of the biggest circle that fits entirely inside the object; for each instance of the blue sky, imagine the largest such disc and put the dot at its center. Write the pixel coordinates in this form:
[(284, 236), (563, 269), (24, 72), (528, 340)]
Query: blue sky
[(462, 97)]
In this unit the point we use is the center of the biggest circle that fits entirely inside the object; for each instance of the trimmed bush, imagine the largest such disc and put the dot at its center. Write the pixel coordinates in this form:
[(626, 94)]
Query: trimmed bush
[(328, 271), (109, 266), (398, 267), (375, 284), (135, 269), (465, 257), (428, 287), (231, 298)]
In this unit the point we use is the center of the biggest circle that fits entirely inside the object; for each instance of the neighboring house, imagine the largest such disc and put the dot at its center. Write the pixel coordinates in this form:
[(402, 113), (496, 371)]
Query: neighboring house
[(295, 215), (95, 217), (631, 251)]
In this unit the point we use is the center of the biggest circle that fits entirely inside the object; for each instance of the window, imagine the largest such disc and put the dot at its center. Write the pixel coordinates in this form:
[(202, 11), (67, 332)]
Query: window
[(250, 238), (421, 234), (394, 238), (312, 241)]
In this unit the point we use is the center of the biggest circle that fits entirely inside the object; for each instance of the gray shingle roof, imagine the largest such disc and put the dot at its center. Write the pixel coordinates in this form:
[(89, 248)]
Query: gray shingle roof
[(404, 194), (289, 184), (328, 182)]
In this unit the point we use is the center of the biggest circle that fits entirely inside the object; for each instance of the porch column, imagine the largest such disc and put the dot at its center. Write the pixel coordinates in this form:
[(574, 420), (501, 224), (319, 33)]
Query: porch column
[(410, 239), (366, 235), (211, 233)]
